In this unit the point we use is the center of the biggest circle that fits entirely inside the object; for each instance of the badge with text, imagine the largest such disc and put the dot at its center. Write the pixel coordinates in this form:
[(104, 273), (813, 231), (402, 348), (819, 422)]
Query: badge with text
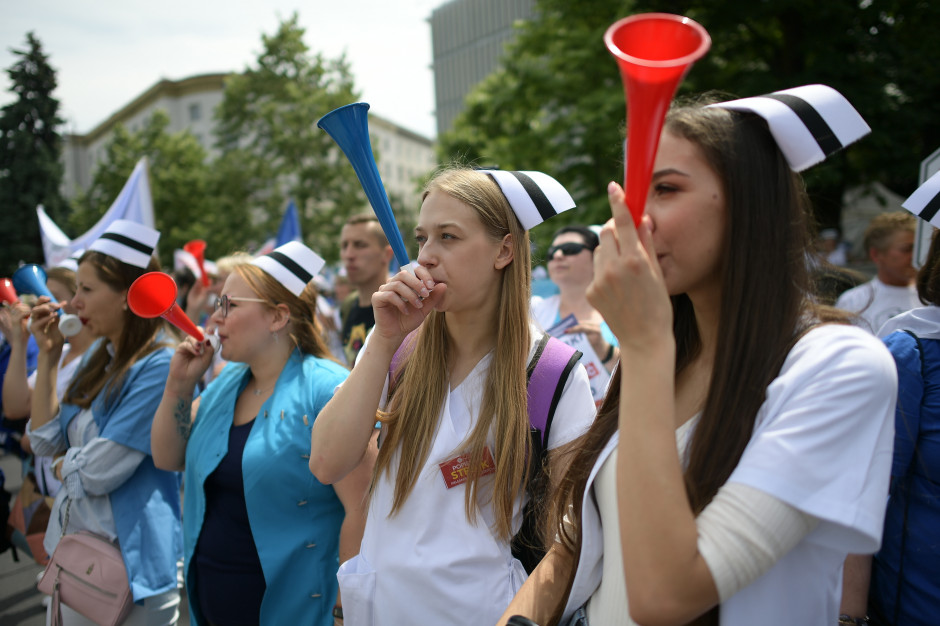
[(457, 470)]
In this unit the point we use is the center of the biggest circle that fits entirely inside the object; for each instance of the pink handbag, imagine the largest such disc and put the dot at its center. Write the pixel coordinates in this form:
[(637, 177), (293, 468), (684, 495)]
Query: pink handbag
[(87, 574)]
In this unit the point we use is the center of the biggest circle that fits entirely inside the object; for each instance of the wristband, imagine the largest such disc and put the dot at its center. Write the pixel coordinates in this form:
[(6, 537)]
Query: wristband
[(854, 621), (58, 461), (338, 612)]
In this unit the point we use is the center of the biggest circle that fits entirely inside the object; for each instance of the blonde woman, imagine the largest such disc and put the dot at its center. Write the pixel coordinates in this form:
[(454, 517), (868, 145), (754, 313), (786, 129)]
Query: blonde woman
[(451, 473), (262, 537)]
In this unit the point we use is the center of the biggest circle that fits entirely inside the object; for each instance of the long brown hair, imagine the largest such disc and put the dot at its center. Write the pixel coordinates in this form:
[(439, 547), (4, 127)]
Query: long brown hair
[(415, 405), (305, 332), (102, 372), (764, 309)]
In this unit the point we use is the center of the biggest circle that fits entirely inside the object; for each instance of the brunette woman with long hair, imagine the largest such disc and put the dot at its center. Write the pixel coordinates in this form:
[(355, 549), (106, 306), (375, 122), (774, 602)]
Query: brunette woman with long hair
[(743, 449), (110, 484), (436, 549)]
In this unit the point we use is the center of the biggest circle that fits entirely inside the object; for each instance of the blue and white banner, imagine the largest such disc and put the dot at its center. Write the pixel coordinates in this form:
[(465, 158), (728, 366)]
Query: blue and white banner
[(134, 203)]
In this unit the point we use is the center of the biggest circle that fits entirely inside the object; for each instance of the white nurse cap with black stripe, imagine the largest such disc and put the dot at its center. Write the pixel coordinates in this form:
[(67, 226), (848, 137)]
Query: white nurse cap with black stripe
[(533, 196), (128, 242), (71, 263), (809, 123), (925, 201), (293, 265)]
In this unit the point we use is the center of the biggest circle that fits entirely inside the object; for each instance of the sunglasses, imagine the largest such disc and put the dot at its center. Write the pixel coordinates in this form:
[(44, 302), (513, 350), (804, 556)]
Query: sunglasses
[(224, 303), (567, 249)]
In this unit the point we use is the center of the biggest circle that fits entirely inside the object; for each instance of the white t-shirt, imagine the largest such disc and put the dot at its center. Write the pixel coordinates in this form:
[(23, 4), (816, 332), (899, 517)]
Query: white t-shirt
[(876, 303), (822, 443)]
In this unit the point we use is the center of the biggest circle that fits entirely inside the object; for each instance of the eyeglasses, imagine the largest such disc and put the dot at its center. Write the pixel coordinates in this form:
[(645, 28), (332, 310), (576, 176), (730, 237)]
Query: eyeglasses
[(568, 249), (224, 302)]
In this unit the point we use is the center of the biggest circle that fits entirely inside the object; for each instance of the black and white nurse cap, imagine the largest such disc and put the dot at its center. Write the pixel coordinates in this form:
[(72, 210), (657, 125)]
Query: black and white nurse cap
[(809, 123), (533, 196), (71, 263), (925, 201), (128, 242), (293, 265)]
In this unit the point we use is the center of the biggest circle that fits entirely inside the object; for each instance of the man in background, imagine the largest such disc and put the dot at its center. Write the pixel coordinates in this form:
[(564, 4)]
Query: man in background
[(366, 255), (889, 241)]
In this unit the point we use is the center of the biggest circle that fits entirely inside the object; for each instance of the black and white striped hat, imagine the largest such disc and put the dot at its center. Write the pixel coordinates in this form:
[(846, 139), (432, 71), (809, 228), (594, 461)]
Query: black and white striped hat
[(809, 123), (293, 265), (128, 242), (533, 196), (71, 263), (925, 201)]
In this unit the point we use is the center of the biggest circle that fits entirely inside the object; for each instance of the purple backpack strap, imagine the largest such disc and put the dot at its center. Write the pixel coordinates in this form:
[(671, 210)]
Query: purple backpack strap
[(549, 369)]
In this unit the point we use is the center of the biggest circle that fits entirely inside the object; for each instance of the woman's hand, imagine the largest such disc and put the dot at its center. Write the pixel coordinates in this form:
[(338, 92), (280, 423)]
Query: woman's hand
[(401, 304), (189, 363), (628, 289), (45, 326), (592, 331), (14, 320)]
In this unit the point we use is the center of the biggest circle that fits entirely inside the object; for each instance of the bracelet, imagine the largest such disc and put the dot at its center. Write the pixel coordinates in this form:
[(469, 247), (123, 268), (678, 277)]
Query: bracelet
[(338, 612), (58, 461), (852, 621), (610, 353)]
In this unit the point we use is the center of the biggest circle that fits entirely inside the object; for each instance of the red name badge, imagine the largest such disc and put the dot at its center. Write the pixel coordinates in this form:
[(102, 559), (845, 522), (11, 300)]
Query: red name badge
[(456, 470)]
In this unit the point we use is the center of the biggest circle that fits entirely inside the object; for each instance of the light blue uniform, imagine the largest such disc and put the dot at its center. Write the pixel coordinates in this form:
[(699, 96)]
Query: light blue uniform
[(146, 507), (295, 519)]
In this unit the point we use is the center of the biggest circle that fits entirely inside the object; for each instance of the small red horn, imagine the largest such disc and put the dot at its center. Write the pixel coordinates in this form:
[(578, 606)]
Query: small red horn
[(654, 51), (7, 292), (154, 295), (197, 248)]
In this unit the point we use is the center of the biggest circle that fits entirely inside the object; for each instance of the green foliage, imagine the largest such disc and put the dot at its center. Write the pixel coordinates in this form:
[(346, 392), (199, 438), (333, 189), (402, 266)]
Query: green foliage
[(558, 105), (30, 171), (179, 183), (272, 148)]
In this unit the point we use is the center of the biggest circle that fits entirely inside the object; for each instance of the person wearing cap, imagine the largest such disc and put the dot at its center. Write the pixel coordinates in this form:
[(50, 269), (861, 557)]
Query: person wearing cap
[(905, 572), (571, 266), (18, 382), (448, 490), (889, 242), (744, 447), (111, 486), (262, 537)]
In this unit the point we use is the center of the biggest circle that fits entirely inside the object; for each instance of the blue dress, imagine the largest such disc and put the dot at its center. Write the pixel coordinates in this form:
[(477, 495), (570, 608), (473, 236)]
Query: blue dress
[(294, 519), (915, 490)]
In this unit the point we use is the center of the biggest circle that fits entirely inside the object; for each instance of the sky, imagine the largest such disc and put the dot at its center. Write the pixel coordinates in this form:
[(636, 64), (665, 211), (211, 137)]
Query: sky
[(108, 52)]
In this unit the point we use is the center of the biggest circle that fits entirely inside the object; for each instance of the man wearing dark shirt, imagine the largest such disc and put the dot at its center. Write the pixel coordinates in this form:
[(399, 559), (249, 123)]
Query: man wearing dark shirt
[(366, 255)]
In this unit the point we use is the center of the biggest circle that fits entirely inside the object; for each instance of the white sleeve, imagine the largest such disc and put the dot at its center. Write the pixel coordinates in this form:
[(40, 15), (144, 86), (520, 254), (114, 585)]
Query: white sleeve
[(828, 421), (743, 532), (575, 411)]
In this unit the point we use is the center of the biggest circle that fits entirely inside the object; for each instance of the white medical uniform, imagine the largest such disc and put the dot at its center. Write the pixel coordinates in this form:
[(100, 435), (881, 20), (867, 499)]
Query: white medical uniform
[(822, 443), (428, 564)]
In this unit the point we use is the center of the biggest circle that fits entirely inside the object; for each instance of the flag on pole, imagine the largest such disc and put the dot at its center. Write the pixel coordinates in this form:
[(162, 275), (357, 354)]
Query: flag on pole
[(134, 203), (289, 229), (925, 201)]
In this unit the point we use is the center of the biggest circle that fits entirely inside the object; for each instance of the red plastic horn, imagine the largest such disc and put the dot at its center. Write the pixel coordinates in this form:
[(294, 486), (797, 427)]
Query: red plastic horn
[(654, 52), (197, 248), (154, 295), (7, 292)]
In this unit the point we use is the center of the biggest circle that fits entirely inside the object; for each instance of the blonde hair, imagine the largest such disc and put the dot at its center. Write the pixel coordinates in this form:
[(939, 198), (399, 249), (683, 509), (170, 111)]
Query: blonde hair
[(305, 327), (422, 381)]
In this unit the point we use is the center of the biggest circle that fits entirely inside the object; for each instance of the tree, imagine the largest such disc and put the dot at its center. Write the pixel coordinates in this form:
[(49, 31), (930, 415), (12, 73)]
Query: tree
[(272, 149), (179, 183), (557, 103), (30, 171)]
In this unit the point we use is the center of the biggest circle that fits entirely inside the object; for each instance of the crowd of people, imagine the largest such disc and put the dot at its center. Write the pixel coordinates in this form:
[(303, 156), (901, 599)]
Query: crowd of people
[(688, 432)]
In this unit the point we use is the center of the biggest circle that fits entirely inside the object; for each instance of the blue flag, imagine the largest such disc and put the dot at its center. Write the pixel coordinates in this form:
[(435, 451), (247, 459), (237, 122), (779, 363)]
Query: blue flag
[(289, 230)]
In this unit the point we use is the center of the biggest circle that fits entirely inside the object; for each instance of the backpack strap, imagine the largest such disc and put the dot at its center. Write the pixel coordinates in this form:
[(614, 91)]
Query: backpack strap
[(547, 372)]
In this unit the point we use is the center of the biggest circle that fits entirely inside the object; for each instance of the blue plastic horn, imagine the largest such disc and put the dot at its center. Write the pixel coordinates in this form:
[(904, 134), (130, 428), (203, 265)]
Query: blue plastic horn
[(31, 278), (349, 128)]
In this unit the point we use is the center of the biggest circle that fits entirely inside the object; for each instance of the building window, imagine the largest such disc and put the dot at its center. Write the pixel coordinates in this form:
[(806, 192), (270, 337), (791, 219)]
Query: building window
[(195, 112)]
